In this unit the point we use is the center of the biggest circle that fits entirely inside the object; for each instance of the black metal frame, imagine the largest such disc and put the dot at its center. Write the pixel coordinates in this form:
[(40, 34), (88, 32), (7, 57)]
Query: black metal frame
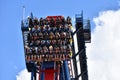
[(81, 49)]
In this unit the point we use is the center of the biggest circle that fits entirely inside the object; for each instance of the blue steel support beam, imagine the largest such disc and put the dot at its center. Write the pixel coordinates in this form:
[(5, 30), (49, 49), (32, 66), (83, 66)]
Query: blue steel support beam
[(66, 70), (62, 76), (33, 75)]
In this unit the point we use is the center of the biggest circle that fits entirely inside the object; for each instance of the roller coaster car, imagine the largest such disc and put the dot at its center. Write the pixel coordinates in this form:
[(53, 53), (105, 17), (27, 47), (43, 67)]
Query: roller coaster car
[(38, 51)]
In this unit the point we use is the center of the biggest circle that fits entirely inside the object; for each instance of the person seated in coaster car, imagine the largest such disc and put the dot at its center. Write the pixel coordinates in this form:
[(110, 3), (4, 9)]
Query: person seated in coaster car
[(54, 29), (40, 35), (31, 57), (44, 22), (51, 52), (64, 42), (47, 21), (47, 42), (59, 42), (48, 28), (52, 23), (27, 49), (43, 29), (51, 35), (70, 27), (35, 36), (34, 57), (45, 35), (33, 50), (31, 24), (68, 20), (40, 50), (37, 43), (57, 50), (34, 29), (62, 53), (27, 58), (68, 35), (63, 21), (57, 35), (68, 49), (50, 49), (53, 42), (36, 26), (32, 43), (57, 22), (63, 35), (41, 22), (42, 42), (45, 49)]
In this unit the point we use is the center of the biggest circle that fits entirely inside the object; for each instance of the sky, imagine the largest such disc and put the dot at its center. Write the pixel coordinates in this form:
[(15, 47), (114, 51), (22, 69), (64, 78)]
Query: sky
[(102, 52)]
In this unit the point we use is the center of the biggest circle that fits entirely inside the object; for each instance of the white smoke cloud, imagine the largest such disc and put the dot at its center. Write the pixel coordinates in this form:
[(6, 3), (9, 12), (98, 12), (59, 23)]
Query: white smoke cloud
[(104, 51), (23, 75)]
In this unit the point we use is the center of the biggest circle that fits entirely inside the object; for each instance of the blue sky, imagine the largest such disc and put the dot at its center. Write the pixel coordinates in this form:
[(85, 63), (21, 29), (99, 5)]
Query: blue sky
[(11, 49)]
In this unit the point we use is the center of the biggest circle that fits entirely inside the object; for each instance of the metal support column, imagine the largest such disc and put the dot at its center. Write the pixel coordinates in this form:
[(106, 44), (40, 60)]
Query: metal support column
[(81, 45)]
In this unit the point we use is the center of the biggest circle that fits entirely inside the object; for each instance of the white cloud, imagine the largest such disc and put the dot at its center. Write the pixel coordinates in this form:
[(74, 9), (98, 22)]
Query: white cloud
[(104, 51), (23, 75)]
